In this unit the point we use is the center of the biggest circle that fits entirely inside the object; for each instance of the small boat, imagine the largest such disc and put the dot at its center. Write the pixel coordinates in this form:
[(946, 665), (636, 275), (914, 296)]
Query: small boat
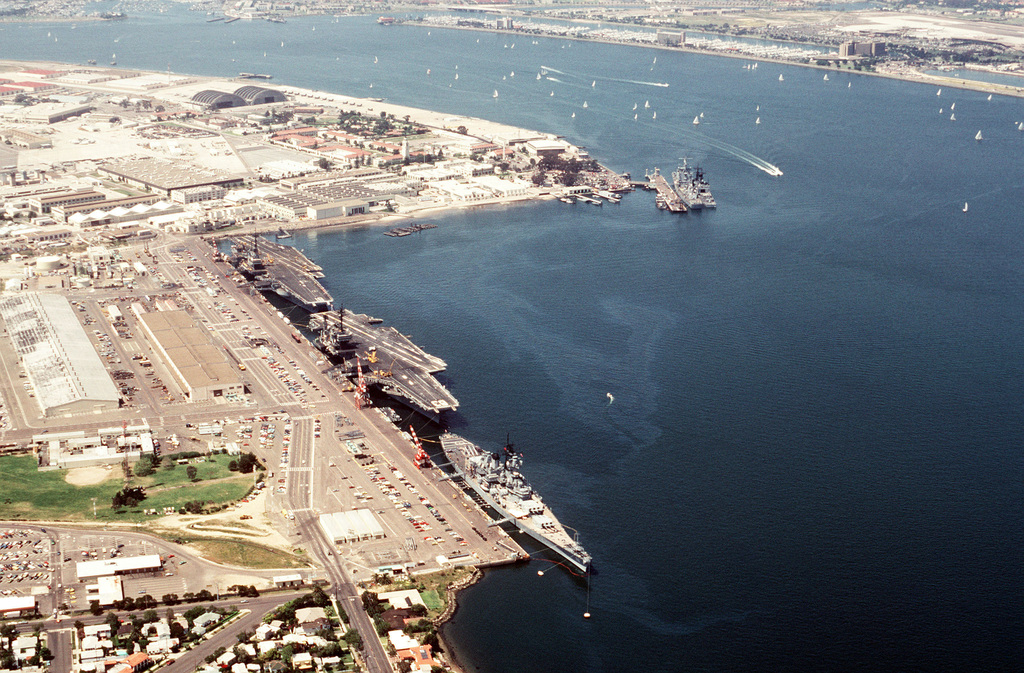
[(781, 78), (702, 115), (696, 120), (849, 84), (939, 92), (965, 206), (940, 111), (647, 104), (456, 75), (428, 71), (758, 108), (655, 116), (374, 59), (495, 94), (634, 106), (952, 107), (1020, 126), (538, 75), (574, 115), (552, 93), (952, 117), (635, 116), (757, 121), (512, 74), (281, 233), (989, 97), (585, 104), (282, 43), (826, 76), (978, 137), (593, 84), (504, 77), (654, 61)]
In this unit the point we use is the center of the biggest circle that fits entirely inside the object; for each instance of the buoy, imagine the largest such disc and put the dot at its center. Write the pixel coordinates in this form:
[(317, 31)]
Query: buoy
[(586, 615)]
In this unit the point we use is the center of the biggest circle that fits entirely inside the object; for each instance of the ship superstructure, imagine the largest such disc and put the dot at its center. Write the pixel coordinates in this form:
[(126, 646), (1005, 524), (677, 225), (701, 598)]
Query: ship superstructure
[(497, 479), (692, 188)]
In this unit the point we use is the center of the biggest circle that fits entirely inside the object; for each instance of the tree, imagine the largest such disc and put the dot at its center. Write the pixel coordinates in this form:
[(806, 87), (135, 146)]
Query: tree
[(233, 466), (353, 638), (170, 599), (129, 496), (247, 462), (192, 472), (112, 621), (94, 608), (319, 597)]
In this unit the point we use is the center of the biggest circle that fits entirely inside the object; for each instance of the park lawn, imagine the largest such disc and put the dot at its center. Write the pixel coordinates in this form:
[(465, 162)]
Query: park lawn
[(205, 471), (432, 600), (31, 494), (245, 554)]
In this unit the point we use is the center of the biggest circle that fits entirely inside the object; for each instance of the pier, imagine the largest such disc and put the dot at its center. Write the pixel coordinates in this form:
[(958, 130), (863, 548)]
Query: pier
[(667, 198)]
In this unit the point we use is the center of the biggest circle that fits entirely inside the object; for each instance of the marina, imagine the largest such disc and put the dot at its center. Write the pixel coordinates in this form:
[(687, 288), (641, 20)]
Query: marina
[(411, 229), (666, 197)]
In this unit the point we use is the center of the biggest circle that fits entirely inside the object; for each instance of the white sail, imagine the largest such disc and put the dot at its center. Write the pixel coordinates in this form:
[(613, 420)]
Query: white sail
[(952, 107), (757, 121), (647, 104), (593, 84), (952, 117), (512, 74), (574, 115), (584, 103), (538, 75), (978, 136), (826, 76), (635, 116), (495, 94), (655, 116), (1020, 126), (990, 97), (696, 120), (634, 106), (781, 78), (939, 92), (965, 206)]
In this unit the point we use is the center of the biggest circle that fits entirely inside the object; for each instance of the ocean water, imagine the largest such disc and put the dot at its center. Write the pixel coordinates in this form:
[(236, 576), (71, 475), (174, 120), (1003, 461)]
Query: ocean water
[(813, 459)]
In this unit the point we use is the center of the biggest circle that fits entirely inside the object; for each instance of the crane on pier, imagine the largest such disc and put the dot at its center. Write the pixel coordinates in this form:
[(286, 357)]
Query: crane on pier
[(421, 459), (362, 397)]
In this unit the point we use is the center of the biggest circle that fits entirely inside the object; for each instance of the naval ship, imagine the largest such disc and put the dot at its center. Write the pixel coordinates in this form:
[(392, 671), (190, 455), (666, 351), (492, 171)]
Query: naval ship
[(692, 188), (497, 480)]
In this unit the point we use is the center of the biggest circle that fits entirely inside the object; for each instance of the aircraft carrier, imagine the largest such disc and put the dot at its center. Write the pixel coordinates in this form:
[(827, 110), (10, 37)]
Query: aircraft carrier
[(390, 361), (496, 478), (283, 269)]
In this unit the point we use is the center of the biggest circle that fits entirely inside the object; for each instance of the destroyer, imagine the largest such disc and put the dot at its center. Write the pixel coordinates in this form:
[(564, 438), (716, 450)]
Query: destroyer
[(497, 480), (692, 188)]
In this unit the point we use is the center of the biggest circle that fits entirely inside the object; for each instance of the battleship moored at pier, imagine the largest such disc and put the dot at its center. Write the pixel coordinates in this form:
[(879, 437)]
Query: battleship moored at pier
[(692, 188), (283, 269), (496, 478)]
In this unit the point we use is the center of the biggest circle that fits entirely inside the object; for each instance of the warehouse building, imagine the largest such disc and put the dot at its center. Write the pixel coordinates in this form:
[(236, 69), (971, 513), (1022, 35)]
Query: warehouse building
[(187, 349), (351, 526), (61, 364), (165, 177), (129, 565), (17, 606)]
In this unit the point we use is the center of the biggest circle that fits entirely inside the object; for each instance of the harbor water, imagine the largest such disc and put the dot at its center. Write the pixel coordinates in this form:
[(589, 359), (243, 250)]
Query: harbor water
[(813, 457)]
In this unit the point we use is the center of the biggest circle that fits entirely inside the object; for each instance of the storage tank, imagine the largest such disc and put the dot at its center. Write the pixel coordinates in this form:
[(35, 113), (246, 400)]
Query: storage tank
[(49, 263)]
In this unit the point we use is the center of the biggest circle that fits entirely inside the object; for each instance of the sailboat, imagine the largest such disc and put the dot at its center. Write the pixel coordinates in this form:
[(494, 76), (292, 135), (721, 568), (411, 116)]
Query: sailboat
[(826, 76), (495, 94), (952, 117), (655, 116), (428, 71), (654, 61), (538, 75), (1020, 126), (647, 104), (374, 59), (504, 77), (552, 93), (634, 106), (282, 43), (990, 97), (978, 137), (758, 108), (635, 116), (512, 74), (593, 84), (696, 121), (456, 75), (757, 121), (952, 107), (965, 206), (702, 115), (939, 92), (585, 104), (574, 115), (940, 111), (781, 78), (849, 84)]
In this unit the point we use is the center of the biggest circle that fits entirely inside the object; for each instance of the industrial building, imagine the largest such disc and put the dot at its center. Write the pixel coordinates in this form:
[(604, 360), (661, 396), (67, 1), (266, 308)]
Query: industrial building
[(60, 362), (128, 565), (351, 526), (165, 177), (242, 97), (17, 606), (102, 447), (198, 365)]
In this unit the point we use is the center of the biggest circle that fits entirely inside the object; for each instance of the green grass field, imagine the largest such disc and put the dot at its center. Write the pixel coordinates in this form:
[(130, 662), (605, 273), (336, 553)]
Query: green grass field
[(31, 494), (245, 554)]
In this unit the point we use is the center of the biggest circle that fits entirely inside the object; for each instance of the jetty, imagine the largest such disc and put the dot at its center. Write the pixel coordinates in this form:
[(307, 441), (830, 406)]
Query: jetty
[(667, 198)]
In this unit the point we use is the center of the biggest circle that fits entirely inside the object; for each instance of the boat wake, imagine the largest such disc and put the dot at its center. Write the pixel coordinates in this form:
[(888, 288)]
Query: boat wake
[(594, 78), (743, 155)]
